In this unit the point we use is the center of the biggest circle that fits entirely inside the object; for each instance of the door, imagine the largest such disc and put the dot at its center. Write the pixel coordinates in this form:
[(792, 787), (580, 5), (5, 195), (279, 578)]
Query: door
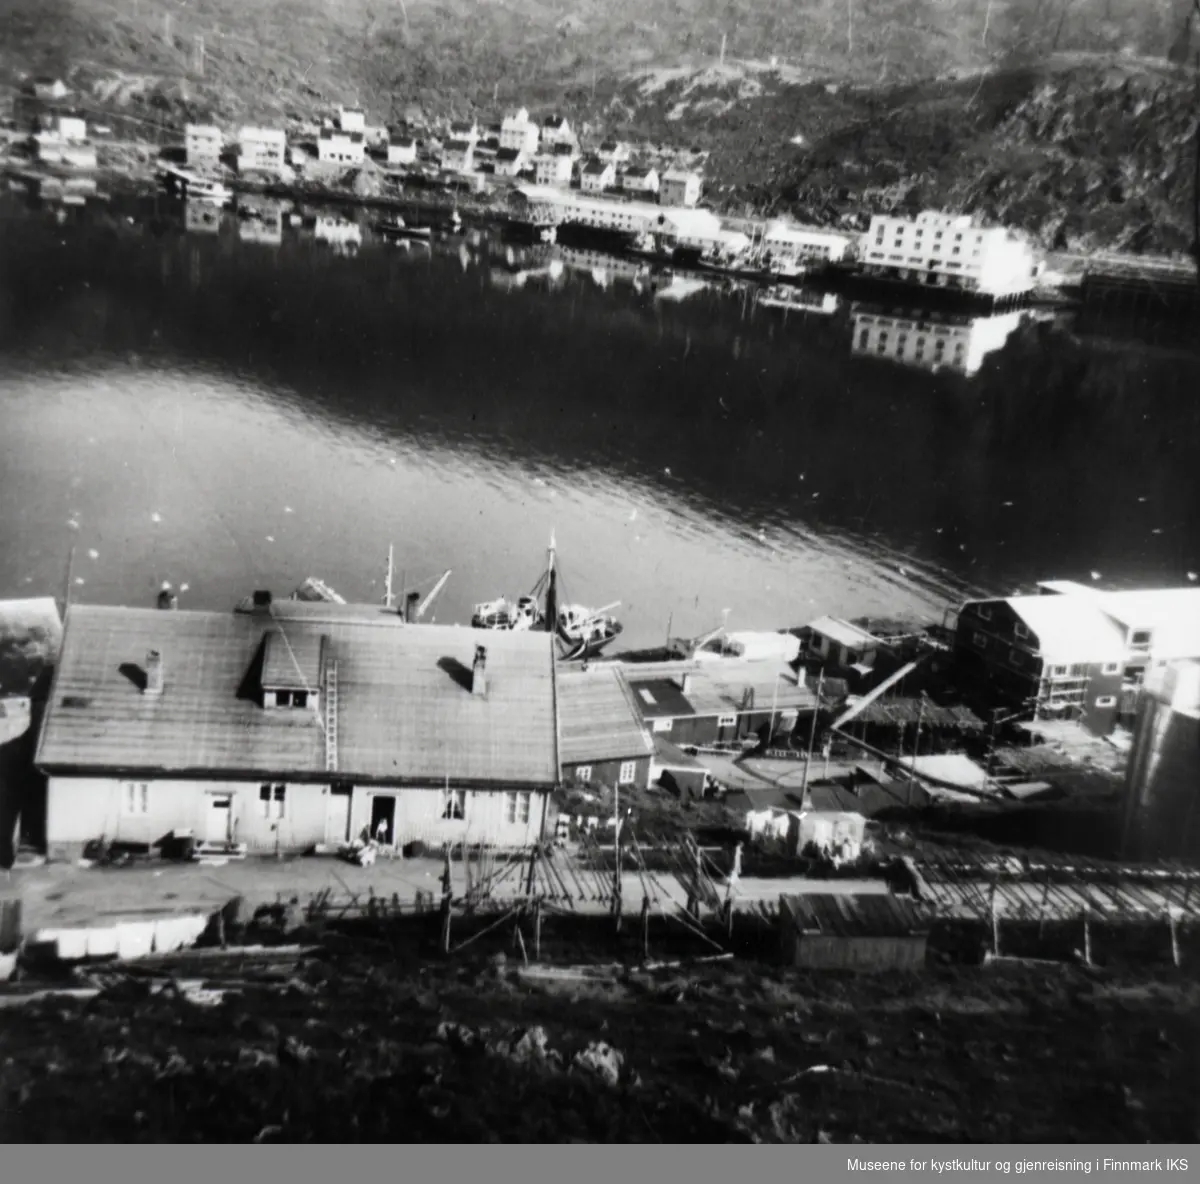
[(217, 824), (337, 814), (383, 819)]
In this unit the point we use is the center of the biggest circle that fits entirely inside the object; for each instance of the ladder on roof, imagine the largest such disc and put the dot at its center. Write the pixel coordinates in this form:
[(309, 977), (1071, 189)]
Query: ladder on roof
[(331, 718)]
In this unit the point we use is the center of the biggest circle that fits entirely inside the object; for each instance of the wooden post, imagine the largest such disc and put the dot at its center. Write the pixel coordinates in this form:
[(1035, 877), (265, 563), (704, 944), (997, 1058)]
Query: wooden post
[(995, 926), (537, 930), (645, 928), (729, 917), (447, 898), (1042, 907), (1174, 936), (1087, 939)]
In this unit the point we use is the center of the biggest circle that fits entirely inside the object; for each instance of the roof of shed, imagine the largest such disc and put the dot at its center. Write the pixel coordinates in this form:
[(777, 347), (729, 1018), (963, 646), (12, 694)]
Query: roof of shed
[(598, 720), (873, 915), (842, 632), (716, 687), (405, 710)]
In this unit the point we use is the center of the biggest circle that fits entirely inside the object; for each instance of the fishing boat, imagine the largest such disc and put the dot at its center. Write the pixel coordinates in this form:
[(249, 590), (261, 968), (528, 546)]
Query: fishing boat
[(399, 229), (581, 632), (195, 188)]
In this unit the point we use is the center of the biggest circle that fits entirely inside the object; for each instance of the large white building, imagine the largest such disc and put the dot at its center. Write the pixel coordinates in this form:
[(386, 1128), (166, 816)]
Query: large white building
[(791, 246), (552, 168), (352, 119), (679, 187), (933, 343), (262, 150), (518, 131), (341, 147), (949, 251)]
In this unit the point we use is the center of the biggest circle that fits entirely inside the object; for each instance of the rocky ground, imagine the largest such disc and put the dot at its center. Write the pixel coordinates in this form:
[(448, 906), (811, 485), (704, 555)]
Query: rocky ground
[(378, 1040)]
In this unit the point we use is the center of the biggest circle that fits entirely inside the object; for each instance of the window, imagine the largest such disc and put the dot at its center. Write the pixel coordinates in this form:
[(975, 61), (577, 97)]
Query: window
[(863, 338), (1140, 638), (272, 800), (663, 725), (291, 698), (984, 612), (1016, 657), (517, 806), (1058, 672), (979, 641), (452, 804), (583, 773), (1106, 701), (627, 773), (1019, 629), (726, 721), (135, 798)]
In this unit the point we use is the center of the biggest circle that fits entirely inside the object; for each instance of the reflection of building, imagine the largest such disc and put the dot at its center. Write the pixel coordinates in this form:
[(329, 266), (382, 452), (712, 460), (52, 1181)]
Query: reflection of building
[(1075, 651), (203, 144), (260, 222), (339, 233), (601, 266), (933, 342), (1163, 776), (679, 187), (201, 217), (788, 296), (262, 150), (949, 251)]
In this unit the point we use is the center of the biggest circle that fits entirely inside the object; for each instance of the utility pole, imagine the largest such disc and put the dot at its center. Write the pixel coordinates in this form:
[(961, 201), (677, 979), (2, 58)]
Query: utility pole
[(388, 597), (812, 735)]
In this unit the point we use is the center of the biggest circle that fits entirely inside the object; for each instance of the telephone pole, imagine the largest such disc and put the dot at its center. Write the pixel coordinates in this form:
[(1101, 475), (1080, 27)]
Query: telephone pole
[(198, 60)]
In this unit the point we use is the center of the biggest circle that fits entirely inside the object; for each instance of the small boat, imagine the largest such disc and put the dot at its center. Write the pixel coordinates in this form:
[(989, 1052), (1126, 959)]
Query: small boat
[(195, 188), (399, 229), (581, 632)]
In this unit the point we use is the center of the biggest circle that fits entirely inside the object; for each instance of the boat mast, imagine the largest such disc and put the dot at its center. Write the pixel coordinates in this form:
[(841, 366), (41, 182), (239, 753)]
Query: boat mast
[(551, 589), (388, 597)]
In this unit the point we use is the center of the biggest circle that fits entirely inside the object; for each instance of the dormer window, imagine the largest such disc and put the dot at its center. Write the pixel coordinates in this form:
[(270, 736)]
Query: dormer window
[(293, 670), (1140, 639)]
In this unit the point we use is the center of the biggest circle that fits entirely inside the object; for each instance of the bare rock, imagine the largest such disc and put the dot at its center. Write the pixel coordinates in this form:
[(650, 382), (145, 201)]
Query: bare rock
[(601, 1059)]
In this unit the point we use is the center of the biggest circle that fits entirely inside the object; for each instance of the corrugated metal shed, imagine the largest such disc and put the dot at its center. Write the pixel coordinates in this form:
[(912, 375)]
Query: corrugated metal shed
[(406, 713), (597, 717), (874, 932)]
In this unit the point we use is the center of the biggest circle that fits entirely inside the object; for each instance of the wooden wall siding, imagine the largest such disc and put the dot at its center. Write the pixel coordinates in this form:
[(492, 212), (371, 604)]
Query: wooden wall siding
[(81, 809), (607, 772)]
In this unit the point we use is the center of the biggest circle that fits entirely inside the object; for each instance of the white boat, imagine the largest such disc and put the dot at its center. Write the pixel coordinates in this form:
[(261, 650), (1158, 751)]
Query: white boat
[(196, 188)]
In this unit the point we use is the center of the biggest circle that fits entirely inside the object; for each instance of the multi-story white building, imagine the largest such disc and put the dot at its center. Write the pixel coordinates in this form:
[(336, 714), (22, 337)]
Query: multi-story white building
[(262, 150), (339, 147), (402, 150), (949, 251), (933, 343), (458, 156), (544, 205), (70, 129), (552, 168), (202, 143), (556, 130), (465, 129), (352, 119), (791, 246), (679, 187), (520, 132)]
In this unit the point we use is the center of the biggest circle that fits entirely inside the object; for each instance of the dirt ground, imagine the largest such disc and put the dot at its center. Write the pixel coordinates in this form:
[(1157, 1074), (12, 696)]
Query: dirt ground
[(379, 1038)]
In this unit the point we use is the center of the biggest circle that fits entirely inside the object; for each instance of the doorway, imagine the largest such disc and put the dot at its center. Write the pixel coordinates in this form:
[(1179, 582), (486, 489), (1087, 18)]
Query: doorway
[(383, 820), (217, 827)]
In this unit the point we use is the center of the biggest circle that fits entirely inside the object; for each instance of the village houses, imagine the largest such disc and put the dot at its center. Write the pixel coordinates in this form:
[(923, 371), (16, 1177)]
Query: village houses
[(603, 740), (679, 187), (48, 90), (458, 156), (293, 724), (402, 150), (203, 143), (552, 168), (352, 119), (262, 150), (597, 175), (520, 132), (640, 179), (614, 151), (341, 147), (465, 129), (510, 162), (555, 131)]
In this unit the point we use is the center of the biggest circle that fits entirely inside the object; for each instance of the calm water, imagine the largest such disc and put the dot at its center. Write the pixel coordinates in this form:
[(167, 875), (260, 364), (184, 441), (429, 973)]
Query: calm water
[(232, 415)]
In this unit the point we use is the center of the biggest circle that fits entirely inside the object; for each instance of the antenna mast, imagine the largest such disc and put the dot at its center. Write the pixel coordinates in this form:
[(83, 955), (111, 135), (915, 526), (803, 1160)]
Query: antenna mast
[(388, 596)]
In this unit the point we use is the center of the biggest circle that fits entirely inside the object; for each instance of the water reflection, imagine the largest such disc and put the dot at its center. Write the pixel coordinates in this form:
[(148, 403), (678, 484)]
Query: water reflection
[(929, 340), (260, 221), (799, 299), (342, 234), (202, 217)]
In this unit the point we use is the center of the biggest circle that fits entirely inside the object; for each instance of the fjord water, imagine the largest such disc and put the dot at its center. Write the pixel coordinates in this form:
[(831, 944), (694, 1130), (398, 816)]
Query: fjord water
[(232, 415)]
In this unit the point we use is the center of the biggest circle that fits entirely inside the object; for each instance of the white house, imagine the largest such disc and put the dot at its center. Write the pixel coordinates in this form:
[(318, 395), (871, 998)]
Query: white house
[(402, 150), (552, 168), (790, 246), (49, 90), (458, 156), (203, 143), (700, 230), (53, 150), (70, 129), (519, 132), (640, 179), (679, 187), (597, 175), (296, 724), (613, 150), (949, 251), (339, 147), (556, 130), (465, 129), (510, 162), (262, 150), (933, 342), (352, 119)]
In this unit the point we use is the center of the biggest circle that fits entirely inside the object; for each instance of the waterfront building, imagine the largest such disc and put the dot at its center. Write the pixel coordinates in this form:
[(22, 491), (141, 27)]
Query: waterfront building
[(458, 156), (338, 147), (840, 645), (700, 230), (931, 340), (1076, 652), (679, 187), (203, 144), (949, 251), (520, 132), (788, 246), (402, 150), (1162, 807), (597, 175), (640, 179), (295, 724), (552, 168), (603, 740), (262, 150)]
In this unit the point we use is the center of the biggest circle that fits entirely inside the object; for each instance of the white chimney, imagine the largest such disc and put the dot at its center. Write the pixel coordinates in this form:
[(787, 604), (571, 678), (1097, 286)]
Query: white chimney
[(154, 673), (479, 672), (685, 684)]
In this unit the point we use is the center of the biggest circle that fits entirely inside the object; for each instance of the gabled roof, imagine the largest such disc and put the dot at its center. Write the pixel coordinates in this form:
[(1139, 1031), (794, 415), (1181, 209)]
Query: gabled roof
[(640, 173), (677, 174), (293, 663), (508, 154), (843, 632), (715, 688), (554, 121), (462, 126), (596, 168), (598, 720), (563, 149), (458, 146), (406, 714), (334, 133)]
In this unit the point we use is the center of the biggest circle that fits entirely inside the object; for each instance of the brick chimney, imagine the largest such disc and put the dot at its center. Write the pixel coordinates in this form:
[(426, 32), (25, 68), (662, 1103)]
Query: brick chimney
[(154, 673), (479, 672)]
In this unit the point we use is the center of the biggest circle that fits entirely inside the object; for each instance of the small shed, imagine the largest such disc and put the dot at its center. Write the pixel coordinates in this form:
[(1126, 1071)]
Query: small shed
[(852, 932)]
